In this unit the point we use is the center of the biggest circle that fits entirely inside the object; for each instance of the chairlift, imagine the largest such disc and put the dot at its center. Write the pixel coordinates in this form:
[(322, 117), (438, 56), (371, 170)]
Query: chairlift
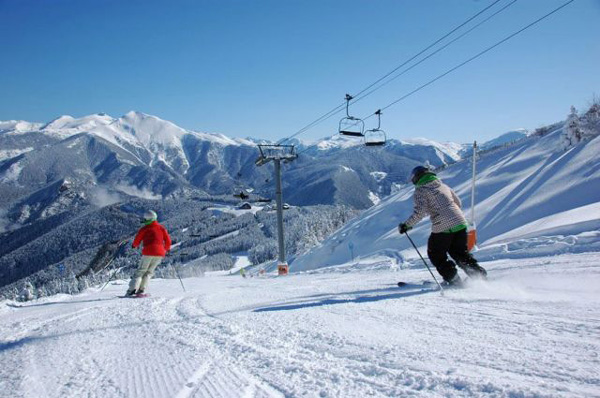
[(375, 137), (350, 125)]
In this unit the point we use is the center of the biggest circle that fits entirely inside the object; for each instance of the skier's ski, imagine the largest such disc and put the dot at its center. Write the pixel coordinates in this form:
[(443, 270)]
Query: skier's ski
[(464, 283), (141, 295)]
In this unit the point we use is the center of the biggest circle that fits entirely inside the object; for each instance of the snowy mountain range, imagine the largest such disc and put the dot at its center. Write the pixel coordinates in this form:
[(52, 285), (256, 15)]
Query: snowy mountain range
[(97, 160)]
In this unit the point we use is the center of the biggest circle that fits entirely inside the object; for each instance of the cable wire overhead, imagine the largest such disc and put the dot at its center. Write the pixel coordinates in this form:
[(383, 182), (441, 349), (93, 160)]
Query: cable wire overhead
[(340, 107), (468, 60), (475, 56)]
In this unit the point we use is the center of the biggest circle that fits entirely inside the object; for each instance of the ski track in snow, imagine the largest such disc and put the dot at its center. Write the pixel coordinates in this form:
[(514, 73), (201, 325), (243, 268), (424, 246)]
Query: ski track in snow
[(533, 330)]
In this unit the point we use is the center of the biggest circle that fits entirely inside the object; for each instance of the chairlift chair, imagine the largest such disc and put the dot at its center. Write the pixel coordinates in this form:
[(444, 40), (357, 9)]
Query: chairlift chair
[(350, 125), (376, 137)]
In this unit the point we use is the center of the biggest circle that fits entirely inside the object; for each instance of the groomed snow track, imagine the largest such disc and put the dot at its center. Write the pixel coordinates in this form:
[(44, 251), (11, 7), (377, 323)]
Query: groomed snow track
[(532, 331)]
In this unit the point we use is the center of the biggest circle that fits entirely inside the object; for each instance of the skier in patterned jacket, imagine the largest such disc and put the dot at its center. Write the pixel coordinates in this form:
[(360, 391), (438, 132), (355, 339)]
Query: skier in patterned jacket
[(449, 227), (156, 243)]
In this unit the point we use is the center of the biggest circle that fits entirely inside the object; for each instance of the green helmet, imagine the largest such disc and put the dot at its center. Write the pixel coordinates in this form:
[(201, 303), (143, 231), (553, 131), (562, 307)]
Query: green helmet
[(149, 217)]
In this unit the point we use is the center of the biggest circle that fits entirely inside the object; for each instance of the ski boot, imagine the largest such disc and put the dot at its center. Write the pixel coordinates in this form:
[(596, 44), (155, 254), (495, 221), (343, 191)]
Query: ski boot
[(455, 282), (474, 271)]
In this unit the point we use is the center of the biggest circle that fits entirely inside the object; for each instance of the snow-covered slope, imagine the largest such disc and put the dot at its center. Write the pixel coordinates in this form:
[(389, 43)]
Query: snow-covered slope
[(532, 331), (18, 126), (446, 149), (525, 191), (66, 126), (506, 138)]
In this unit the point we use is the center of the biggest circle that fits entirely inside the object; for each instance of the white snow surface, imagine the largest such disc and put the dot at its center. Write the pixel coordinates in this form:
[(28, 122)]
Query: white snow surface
[(374, 198), (234, 210), (11, 153), (18, 126), (450, 148), (532, 193), (532, 330), (337, 142), (66, 126), (378, 175), (12, 173)]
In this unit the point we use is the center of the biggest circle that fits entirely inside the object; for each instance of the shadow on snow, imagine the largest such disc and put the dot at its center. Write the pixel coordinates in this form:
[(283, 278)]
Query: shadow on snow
[(360, 297)]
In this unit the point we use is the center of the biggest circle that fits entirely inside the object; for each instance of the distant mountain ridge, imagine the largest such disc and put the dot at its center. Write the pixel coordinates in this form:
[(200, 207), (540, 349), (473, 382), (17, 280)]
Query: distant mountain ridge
[(142, 155)]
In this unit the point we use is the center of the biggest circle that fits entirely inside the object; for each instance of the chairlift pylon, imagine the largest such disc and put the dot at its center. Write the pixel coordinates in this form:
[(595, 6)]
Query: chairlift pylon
[(376, 137), (350, 125)]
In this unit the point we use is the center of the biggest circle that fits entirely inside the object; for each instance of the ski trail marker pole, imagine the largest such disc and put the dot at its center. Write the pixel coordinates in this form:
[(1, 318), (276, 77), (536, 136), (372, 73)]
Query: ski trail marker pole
[(425, 262), (472, 230)]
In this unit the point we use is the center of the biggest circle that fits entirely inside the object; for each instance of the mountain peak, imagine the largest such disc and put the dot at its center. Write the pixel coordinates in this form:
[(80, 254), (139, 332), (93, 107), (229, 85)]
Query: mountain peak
[(138, 115), (58, 123), (18, 126)]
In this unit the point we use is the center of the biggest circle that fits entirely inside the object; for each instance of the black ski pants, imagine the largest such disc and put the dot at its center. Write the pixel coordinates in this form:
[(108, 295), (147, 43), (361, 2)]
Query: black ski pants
[(440, 245)]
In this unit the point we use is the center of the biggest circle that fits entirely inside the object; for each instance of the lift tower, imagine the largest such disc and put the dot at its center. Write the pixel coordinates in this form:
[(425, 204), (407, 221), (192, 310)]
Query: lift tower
[(278, 153)]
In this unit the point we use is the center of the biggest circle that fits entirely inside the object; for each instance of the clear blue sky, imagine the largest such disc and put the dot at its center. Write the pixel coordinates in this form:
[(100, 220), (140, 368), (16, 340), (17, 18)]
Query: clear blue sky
[(266, 68)]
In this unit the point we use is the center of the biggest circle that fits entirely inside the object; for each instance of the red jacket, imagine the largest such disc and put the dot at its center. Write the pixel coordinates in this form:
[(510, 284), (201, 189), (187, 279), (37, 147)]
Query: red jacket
[(156, 239)]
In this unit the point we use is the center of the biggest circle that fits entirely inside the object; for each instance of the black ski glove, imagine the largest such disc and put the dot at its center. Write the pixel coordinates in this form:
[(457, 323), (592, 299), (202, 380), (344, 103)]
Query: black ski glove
[(403, 228)]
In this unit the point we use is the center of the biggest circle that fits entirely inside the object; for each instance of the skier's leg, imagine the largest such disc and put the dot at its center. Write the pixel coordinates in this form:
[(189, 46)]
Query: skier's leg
[(437, 251), (155, 261), (136, 278), (460, 253)]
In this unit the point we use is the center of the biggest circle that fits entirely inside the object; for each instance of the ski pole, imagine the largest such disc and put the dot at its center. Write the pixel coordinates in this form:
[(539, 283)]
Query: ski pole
[(121, 244), (174, 267), (111, 276), (180, 281), (425, 262)]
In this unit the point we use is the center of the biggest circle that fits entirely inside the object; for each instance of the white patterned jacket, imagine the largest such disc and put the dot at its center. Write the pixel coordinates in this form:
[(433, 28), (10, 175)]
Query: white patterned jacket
[(437, 200)]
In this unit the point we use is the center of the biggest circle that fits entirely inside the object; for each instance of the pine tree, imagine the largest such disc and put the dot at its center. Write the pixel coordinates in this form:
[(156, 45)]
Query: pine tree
[(573, 133)]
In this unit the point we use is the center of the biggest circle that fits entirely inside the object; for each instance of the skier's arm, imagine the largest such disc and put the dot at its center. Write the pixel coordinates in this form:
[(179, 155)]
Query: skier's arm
[(138, 238), (456, 199), (420, 210), (167, 239)]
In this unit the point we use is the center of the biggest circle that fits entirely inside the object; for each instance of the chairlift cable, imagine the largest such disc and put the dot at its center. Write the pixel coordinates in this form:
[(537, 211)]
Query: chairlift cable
[(471, 59), (322, 118), (433, 53), (427, 48), (340, 107), (475, 56)]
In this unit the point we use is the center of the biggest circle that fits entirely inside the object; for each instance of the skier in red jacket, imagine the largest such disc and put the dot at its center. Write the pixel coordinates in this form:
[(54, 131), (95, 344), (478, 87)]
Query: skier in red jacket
[(157, 243)]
